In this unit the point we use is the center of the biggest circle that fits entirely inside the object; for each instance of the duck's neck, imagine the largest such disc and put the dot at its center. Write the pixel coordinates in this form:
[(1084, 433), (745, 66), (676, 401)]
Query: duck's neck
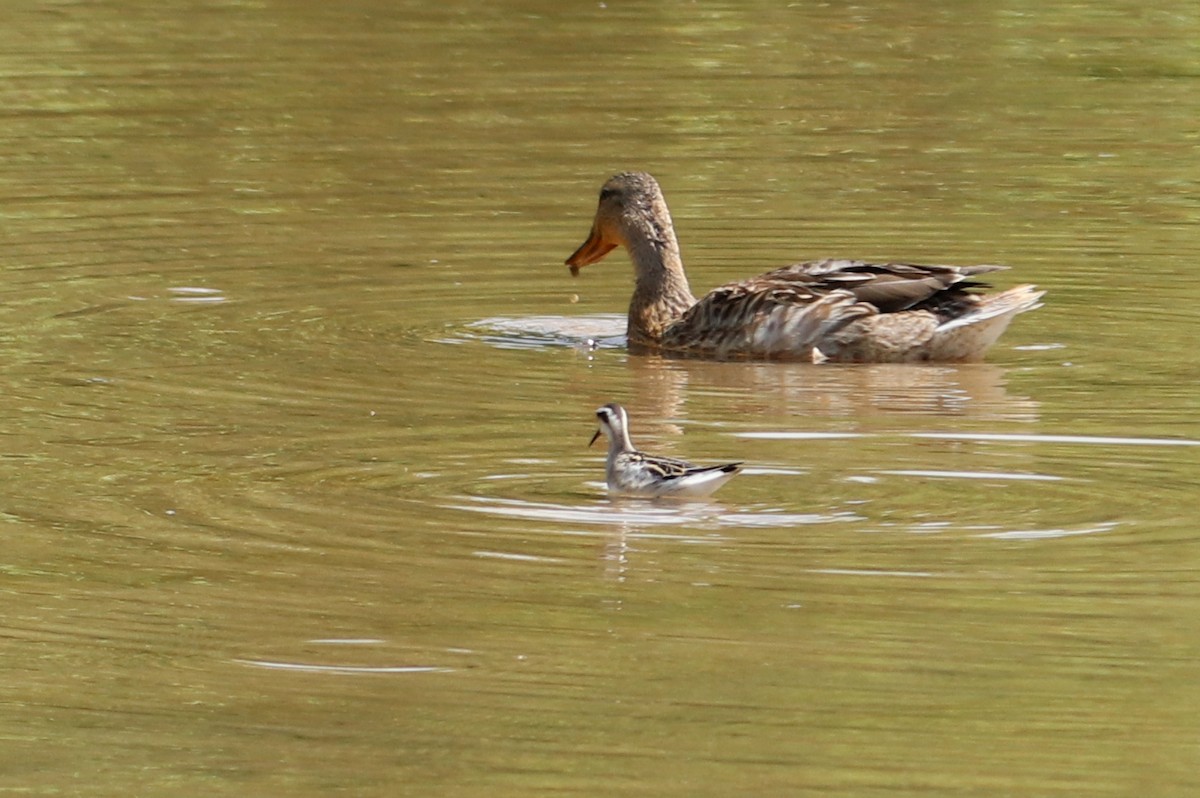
[(661, 293)]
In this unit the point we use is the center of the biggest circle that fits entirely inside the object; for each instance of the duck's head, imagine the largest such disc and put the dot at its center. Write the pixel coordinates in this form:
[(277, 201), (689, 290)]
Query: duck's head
[(631, 210)]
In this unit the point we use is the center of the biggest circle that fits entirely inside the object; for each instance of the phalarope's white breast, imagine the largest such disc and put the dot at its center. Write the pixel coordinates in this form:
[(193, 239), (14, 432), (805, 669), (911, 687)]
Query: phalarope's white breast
[(633, 473)]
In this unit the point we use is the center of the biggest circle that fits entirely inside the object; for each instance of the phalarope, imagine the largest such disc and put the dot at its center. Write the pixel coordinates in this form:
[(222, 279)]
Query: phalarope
[(633, 473), (842, 310)]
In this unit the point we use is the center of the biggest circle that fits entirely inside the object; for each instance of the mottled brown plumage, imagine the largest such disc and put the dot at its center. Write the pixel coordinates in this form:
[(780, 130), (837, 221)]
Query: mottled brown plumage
[(840, 310)]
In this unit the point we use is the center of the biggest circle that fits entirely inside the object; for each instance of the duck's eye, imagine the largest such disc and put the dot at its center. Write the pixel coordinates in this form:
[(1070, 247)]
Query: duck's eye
[(607, 193)]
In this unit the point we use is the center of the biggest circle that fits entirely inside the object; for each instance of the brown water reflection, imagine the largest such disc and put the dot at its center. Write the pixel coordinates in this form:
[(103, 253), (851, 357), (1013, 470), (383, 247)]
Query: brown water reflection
[(285, 513), (860, 393)]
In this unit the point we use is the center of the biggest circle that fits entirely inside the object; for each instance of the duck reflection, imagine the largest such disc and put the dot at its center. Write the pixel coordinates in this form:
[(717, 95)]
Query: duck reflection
[(870, 394)]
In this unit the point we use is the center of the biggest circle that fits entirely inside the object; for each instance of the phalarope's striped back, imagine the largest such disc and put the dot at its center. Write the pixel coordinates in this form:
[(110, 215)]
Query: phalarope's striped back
[(633, 473)]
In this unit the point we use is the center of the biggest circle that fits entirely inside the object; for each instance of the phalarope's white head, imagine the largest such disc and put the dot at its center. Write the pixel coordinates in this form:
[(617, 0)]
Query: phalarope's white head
[(633, 473)]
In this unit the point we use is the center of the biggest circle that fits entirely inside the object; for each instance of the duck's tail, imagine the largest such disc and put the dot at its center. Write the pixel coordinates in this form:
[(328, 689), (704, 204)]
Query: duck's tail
[(969, 336), (1004, 305)]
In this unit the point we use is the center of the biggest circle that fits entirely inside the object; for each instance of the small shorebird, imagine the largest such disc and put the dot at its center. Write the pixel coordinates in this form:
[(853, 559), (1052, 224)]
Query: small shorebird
[(633, 473), (840, 310)]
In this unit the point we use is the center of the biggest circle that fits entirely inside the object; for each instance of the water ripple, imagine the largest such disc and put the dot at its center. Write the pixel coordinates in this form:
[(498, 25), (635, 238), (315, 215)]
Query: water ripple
[(1095, 440), (973, 475), (600, 331), (1043, 534), (646, 513), (309, 668)]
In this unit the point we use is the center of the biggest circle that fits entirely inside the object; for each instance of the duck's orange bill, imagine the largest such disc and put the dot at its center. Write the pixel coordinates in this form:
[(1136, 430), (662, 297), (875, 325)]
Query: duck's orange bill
[(589, 252)]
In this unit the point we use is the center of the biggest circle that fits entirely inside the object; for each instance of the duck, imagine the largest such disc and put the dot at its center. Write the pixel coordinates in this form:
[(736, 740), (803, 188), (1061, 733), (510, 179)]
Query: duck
[(833, 310), (629, 472)]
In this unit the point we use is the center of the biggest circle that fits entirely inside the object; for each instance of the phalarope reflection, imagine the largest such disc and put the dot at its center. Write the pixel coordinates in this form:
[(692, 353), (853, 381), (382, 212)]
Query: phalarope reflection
[(633, 473)]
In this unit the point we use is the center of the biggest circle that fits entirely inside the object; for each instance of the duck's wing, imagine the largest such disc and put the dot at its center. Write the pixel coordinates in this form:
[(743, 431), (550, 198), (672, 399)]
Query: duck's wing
[(890, 287), (763, 317)]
